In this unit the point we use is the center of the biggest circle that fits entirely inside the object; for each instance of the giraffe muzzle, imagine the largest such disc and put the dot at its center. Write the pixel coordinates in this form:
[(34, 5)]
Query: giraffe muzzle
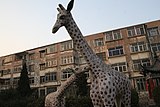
[(55, 29)]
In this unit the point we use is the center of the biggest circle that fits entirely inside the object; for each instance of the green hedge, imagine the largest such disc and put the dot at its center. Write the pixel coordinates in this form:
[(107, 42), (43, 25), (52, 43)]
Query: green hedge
[(134, 98), (11, 98), (83, 101)]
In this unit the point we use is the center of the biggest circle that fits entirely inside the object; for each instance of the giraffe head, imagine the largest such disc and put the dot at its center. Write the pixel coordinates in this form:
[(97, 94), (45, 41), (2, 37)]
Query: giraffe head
[(63, 16)]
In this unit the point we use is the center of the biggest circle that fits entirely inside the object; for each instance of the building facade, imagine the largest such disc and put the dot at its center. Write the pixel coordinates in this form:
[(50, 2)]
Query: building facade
[(124, 49)]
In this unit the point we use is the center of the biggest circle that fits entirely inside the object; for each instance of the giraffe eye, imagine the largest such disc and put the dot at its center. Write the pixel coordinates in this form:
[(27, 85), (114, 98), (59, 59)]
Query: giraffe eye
[(62, 17)]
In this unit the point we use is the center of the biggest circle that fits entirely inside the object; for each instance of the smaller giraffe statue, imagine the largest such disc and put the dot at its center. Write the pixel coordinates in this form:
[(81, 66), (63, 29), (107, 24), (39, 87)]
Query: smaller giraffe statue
[(56, 99)]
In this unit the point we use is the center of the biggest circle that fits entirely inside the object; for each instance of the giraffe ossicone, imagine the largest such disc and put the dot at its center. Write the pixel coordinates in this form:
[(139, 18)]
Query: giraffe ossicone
[(107, 85)]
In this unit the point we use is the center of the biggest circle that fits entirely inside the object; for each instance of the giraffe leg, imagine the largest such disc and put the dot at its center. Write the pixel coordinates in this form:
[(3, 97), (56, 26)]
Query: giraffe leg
[(107, 92), (127, 98), (109, 102), (108, 97), (94, 94), (96, 99), (118, 101)]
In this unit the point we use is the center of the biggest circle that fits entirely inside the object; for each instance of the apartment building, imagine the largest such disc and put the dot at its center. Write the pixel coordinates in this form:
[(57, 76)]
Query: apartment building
[(124, 49)]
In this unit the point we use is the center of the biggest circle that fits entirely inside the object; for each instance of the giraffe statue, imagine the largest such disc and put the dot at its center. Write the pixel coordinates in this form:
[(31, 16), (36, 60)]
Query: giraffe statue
[(108, 85), (56, 99)]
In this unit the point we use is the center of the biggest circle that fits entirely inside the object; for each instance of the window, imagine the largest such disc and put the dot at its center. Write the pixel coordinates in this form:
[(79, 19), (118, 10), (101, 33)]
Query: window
[(99, 42), (42, 66), (18, 57), (66, 73), (140, 84), (52, 62), (7, 82), (1, 73), (155, 47), (31, 80), (102, 56), (7, 59), (63, 60), (42, 79), (116, 51), (122, 67), (15, 81), (66, 45), (17, 69), (109, 36), (138, 47), (42, 92), (145, 62), (70, 59), (52, 49), (49, 77), (51, 89), (31, 68), (137, 30), (87, 74), (140, 30), (136, 63), (49, 64), (7, 71), (131, 32), (67, 59), (153, 31), (42, 53), (115, 35), (32, 56)]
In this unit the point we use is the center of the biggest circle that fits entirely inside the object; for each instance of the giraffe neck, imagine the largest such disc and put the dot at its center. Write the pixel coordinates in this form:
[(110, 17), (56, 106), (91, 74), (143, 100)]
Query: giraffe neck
[(82, 45)]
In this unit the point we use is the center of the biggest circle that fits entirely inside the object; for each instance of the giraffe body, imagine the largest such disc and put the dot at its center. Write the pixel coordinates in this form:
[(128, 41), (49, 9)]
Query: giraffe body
[(107, 85)]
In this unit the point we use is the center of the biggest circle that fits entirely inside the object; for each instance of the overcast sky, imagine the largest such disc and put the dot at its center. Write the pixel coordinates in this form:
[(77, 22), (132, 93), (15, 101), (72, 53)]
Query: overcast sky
[(27, 24)]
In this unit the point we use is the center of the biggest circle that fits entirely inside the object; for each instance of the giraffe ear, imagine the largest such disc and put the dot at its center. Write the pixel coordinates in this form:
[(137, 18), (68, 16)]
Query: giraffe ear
[(70, 5)]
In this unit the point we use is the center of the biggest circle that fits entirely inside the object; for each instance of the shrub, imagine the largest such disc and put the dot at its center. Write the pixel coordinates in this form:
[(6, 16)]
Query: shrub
[(11, 98), (36, 102), (134, 98), (156, 95), (83, 101)]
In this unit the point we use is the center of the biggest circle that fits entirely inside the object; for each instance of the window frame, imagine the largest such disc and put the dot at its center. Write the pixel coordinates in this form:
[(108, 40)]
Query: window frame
[(154, 31), (42, 66), (113, 35), (42, 53), (98, 42), (52, 49), (136, 63), (136, 30), (118, 66), (155, 47), (141, 84), (116, 51), (138, 47), (66, 74), (66, 45), (69, 59)]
